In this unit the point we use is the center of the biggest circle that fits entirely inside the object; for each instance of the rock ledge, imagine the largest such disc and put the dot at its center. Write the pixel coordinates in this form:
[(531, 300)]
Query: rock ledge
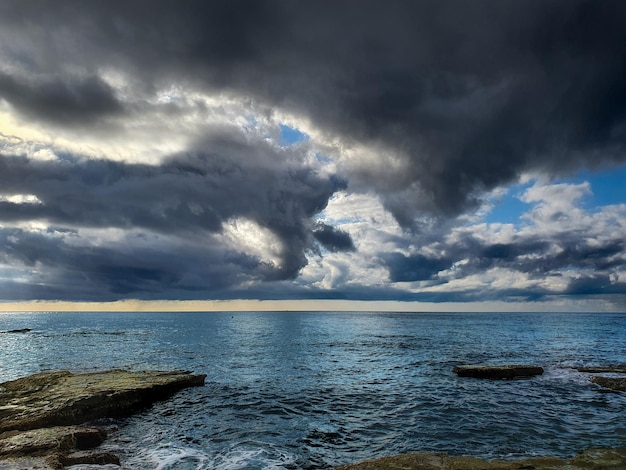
[(615, 383), (594, 459), (40, 414)]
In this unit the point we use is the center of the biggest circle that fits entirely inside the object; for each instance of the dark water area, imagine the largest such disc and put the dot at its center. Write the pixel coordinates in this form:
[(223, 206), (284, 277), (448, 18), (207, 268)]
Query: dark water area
[(289, 390)]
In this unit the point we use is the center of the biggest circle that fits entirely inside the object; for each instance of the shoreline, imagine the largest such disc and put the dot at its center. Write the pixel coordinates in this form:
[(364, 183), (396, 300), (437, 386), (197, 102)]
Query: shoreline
[(590, 459), (42, 419)]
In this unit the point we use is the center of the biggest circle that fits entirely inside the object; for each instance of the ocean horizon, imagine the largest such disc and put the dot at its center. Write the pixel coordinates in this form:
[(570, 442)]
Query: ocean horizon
[(314, 390)]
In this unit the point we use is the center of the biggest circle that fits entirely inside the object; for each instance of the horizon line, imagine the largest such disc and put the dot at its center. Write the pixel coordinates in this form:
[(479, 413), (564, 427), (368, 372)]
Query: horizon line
[(330, 305)]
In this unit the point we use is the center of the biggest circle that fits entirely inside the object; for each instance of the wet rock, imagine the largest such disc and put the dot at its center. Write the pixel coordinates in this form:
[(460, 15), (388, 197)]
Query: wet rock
[(603, 369), (57, 438), (29, 463), (89, 458), (40, 414), (605, 459), (614, 383), (498, 372), (617, 384), (63, 398)]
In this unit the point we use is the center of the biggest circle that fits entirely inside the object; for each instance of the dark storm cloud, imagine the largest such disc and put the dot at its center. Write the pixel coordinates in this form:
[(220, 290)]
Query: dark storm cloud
[(414, 268), (333, 239), (61, 269), (458, 97), (540, 256), (191, 191), (189, 196), (61, 100), (469, 94), (594, 285)]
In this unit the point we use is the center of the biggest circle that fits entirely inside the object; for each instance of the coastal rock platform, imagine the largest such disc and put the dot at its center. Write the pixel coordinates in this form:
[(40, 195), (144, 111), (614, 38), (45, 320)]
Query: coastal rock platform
[(604, 459), (616, 382), (41, 416)]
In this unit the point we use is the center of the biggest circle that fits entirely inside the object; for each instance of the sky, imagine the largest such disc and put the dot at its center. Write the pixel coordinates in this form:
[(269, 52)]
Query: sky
[(424, 153)]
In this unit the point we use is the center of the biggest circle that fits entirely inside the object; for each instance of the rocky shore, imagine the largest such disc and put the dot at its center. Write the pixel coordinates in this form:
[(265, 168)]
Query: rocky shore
[(42, 416), (604, 459), (42, 419), (615, 382)]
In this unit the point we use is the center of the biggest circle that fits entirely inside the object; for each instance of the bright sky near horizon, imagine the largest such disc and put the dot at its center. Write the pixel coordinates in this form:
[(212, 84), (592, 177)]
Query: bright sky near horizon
[(419, 155)]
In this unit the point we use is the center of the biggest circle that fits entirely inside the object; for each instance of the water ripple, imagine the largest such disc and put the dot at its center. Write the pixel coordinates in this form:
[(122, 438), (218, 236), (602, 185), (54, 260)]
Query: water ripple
[(315, 390)]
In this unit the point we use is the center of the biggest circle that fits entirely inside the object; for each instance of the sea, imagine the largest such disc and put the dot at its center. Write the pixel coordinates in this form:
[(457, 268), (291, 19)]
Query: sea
[(314, 390)]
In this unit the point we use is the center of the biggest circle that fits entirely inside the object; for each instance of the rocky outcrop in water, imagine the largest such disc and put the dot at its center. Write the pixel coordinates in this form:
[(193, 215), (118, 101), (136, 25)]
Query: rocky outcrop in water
[(613, 383), (498, 372), (40, 414), (601, 459), (619, 369), (604, 459), (616, 384)]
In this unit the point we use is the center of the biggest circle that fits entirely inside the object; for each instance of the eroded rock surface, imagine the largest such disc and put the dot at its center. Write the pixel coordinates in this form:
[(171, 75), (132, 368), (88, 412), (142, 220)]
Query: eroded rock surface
[(604, 459), (40, 414), (63, 398), (498, 372)]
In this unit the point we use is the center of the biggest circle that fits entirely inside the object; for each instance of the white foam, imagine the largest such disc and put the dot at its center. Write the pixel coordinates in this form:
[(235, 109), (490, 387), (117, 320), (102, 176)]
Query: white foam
[(170, 456), (92, 467), (565, 374), (240, 458)]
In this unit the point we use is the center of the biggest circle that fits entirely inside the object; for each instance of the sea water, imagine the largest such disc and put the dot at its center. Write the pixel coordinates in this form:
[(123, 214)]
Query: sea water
[(295, 390)]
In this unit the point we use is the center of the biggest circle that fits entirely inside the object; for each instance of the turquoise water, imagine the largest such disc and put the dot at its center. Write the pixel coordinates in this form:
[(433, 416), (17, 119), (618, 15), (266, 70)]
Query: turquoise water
[(314, 390)]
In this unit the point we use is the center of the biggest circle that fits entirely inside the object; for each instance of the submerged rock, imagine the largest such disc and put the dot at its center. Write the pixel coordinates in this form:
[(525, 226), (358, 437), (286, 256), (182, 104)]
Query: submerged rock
[(604, 459), (40, 414), (614, 383), (617, 384), (498, 372)]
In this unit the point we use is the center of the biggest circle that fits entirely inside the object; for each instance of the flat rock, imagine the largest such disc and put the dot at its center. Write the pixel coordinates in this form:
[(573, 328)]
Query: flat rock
[(63, 398), (620, 369), (498, 372), (89, 458), (28, 463), (617, 384), (41, 441), (40, 414), (604, 459)]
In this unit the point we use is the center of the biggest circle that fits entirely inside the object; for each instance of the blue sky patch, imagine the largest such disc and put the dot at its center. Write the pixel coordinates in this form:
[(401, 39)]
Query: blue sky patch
[(607, 187), (509, 208), (290, 135)]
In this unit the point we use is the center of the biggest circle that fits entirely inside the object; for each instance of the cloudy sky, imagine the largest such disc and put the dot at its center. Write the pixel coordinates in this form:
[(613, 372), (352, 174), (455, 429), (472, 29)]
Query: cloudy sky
[(456, 151)]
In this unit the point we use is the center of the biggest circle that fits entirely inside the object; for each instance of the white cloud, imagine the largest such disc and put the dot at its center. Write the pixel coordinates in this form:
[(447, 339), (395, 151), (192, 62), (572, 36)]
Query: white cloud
[(20, 198), (247, 236)]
